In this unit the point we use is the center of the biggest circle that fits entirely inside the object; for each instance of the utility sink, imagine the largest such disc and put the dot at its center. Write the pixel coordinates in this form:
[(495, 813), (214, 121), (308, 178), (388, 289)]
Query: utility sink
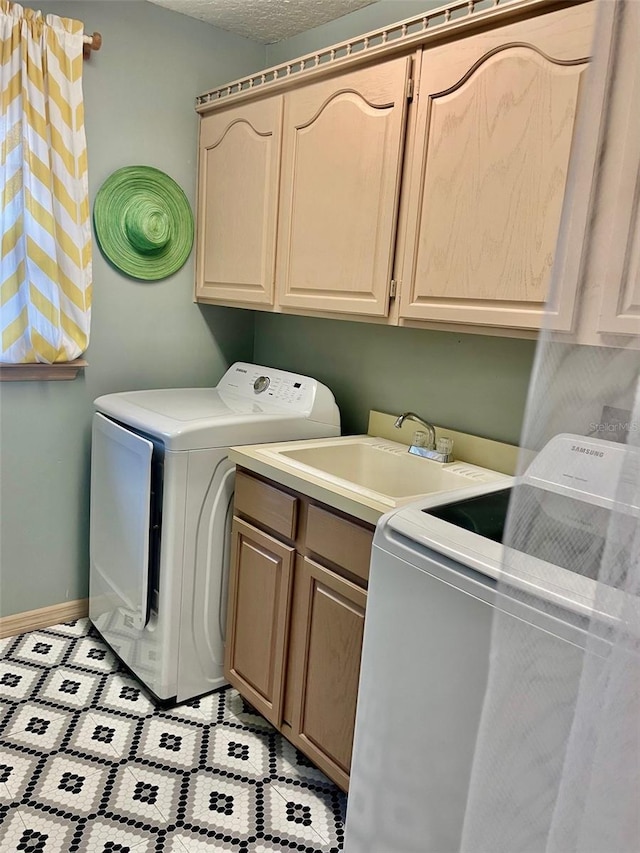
[(378, 468)]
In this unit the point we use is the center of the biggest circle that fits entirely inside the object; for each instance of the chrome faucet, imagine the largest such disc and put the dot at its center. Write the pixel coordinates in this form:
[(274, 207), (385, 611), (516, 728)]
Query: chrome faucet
[(411, 416), (444, 447)]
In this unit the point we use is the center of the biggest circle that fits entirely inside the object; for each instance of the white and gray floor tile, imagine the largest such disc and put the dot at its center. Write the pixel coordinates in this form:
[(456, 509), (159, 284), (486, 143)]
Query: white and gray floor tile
[(89, 764)]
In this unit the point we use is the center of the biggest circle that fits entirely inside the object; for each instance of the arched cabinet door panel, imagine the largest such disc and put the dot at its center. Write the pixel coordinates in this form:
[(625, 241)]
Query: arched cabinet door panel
[(238, 203), (341, 167), (495, 131)]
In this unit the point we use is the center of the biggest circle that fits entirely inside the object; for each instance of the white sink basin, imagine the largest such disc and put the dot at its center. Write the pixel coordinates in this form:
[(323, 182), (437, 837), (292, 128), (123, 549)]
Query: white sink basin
[(381, 469)]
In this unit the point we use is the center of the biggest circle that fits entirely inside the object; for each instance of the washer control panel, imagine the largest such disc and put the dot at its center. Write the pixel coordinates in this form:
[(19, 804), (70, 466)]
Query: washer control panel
[(269, 385)]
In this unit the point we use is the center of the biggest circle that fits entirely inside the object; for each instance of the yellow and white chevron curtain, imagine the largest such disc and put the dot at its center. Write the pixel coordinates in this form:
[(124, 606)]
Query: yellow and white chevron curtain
[(45, 268)]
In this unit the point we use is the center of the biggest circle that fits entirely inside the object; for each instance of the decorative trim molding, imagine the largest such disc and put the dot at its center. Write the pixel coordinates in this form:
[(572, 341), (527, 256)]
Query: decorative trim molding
[(433, 25), (33, 620)]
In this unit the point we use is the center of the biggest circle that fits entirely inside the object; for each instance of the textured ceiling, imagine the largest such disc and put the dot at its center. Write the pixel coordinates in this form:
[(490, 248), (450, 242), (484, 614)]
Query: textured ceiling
[(265, 21)]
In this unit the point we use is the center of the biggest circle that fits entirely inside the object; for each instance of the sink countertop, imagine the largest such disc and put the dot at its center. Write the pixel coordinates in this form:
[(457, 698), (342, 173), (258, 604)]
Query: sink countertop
[(283, 462), (257, 458)]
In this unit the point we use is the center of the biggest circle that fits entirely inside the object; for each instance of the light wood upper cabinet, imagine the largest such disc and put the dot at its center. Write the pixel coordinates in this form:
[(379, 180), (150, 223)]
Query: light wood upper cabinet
[(238, 203), (341, 166), (620, 306), (340, 188), (487, 175), (620, 312), (617, 214)]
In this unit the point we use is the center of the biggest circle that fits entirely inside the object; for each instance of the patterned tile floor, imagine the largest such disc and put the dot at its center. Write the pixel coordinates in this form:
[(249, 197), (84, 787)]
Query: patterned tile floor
[(87, 763)]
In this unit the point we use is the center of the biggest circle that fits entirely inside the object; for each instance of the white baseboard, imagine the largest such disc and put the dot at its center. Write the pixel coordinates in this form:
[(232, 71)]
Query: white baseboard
[(32, 620)]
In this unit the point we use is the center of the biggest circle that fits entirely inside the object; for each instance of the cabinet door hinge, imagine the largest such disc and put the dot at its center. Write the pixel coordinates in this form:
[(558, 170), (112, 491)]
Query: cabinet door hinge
[(410, 89), (393, 289)]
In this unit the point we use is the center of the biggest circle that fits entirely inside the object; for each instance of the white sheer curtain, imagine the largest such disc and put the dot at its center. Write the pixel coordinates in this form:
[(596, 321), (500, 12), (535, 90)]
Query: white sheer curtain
[(557, 760)]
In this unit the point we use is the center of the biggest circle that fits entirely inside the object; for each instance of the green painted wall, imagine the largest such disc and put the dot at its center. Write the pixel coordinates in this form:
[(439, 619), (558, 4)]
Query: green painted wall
[(468, 382), (139, 93), (465, 382)]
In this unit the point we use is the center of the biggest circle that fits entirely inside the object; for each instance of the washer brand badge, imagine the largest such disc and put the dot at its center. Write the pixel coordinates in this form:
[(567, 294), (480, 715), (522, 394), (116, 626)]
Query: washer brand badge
[(241, 370), (577, 448)]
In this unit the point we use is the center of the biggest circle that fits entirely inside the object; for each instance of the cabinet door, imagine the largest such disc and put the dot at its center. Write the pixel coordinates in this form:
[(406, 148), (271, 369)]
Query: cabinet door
[(238, 202), (616, 254), (620, 306), (486, 184), (341, 164), (330, 628), (257, 619)]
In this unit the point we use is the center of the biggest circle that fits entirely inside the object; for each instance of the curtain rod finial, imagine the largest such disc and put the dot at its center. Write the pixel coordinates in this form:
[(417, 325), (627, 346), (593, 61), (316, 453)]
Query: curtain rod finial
[(92, 42)]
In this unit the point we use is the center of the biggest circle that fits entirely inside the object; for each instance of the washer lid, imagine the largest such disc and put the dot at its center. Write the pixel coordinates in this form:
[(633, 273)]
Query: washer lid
[(178, 404), (192, 418), (250, 404)]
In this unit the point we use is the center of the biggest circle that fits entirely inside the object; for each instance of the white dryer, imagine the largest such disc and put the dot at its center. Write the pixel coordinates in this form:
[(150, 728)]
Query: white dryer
[(161, 504)]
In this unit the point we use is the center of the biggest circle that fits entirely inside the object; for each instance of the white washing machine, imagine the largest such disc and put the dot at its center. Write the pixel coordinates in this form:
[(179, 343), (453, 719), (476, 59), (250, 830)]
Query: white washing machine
[(161, 505), (433, 593)]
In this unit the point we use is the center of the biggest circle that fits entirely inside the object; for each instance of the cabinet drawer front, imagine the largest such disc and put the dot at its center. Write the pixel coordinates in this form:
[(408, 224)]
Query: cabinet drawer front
[(342, 542), (267, 505)]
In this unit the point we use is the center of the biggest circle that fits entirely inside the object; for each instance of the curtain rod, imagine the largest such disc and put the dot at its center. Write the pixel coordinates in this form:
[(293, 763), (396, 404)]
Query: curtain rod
[(93, 42)]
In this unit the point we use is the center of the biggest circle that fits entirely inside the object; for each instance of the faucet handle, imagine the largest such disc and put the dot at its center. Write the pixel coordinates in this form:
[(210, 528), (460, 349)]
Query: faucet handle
[(420, 438), (444, 445)]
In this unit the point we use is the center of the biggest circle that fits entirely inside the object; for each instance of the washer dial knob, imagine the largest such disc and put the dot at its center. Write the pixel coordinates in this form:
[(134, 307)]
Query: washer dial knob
[(261, 384)]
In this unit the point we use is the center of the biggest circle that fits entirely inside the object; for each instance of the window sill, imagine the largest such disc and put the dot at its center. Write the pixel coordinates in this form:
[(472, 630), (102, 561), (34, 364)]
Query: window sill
[(41, 372)]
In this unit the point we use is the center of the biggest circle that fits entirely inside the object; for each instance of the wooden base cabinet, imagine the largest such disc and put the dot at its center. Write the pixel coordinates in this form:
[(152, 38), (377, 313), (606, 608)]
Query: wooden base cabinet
[(296, 617), (324, 698), (259, 591)]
